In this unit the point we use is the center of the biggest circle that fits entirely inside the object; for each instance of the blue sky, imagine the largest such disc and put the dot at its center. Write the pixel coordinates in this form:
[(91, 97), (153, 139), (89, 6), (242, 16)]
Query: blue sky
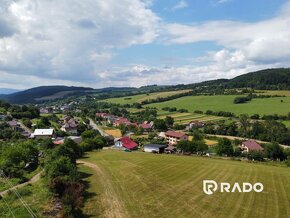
[(195, 11), (100, 43)]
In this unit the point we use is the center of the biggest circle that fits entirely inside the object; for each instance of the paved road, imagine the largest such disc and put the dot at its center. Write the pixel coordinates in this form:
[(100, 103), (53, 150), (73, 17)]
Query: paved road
[(24, 127), (31, 181), (96, 127), (240, 138)]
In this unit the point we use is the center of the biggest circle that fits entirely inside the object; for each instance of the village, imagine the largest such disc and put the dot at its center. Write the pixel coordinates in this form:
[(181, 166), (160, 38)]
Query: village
[(120, 133)]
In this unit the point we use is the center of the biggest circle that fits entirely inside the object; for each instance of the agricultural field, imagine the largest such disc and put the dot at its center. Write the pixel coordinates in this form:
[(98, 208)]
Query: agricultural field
[(265, 106), (185, 118), (143, 97), (137, 184), (275, 92)]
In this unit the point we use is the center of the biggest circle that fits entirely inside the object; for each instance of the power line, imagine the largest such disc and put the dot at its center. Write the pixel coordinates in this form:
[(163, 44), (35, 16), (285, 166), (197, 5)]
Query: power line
[(8, 207), (19, 196)]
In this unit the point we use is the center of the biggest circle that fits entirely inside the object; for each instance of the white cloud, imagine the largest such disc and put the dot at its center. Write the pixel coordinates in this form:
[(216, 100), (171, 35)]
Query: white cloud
[(56, 42), (73, 40), (180, 5), (263, 41), (223, 1)]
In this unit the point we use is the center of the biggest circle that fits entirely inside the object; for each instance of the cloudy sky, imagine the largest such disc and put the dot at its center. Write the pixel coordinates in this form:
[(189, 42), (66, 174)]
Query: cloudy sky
[(100, 43)]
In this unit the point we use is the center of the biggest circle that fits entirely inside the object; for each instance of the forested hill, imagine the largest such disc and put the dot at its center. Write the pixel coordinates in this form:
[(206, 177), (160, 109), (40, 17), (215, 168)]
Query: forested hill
[(44, 93), (272, 79), (264, 79)]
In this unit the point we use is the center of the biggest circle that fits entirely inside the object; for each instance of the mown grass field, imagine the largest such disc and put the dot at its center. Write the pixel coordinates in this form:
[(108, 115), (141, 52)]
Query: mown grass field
[(260, 106), (152, 185), (143, 97)]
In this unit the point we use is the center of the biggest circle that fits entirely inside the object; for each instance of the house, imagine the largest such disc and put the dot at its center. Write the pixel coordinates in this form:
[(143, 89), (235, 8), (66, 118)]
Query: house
[(103, 115), (126, 143), (70, 126), (43, 133), (60, 140), (45, 110), (195, 123), (250, 145), (173, 137), (111, 119), (122, 121), (14, 125), (154, 148), (146, 126)]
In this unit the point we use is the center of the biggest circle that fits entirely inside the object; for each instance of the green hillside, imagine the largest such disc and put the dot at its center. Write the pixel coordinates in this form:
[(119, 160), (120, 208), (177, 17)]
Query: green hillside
[(262, 106), (143, 97), (146, 185)]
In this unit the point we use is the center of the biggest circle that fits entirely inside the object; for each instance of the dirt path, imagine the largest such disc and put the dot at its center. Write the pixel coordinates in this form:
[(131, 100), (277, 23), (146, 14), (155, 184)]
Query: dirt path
[(113, 205), (31, 181)]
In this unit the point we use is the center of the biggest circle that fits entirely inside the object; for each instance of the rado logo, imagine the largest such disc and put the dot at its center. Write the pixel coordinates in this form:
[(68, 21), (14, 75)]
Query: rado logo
[(211, 186)]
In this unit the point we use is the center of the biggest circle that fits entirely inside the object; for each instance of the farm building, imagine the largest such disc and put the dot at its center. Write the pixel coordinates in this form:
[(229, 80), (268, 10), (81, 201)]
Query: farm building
[(173, 137), (126, 142), (250, 145), (43, 133), (152, 148)]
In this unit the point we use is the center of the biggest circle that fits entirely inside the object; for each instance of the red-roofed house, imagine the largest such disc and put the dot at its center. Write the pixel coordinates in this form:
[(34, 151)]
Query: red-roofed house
[(126, 142), (146, 126), (122, 121), (251, 145), (173, 137)]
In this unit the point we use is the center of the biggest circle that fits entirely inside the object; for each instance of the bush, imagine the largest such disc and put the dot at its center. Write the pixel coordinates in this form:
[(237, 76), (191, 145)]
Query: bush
[(288, 161)]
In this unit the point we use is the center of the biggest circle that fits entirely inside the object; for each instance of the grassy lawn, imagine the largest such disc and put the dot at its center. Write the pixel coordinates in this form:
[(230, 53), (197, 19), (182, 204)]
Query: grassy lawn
[(14, 181), (149, 185), (225, 103), (92, 203), (36, 196), (140, 98)]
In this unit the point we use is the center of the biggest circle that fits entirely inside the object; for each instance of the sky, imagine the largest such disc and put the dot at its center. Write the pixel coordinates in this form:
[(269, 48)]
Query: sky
[(97, 43)]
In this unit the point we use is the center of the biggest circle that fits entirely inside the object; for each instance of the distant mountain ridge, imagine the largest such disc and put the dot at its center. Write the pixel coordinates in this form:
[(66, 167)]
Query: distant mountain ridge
[(43, 93), (272, 79), (5, 91)]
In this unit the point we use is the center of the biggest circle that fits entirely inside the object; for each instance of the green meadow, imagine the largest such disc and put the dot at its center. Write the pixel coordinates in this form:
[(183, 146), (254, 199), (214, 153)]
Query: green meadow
[(143, 97), (137, 184), (262, 106)]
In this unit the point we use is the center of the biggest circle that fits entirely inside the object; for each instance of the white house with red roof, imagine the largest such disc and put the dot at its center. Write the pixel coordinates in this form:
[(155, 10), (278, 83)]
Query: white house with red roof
[(126, 142), (250, 145), (173, 137)]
